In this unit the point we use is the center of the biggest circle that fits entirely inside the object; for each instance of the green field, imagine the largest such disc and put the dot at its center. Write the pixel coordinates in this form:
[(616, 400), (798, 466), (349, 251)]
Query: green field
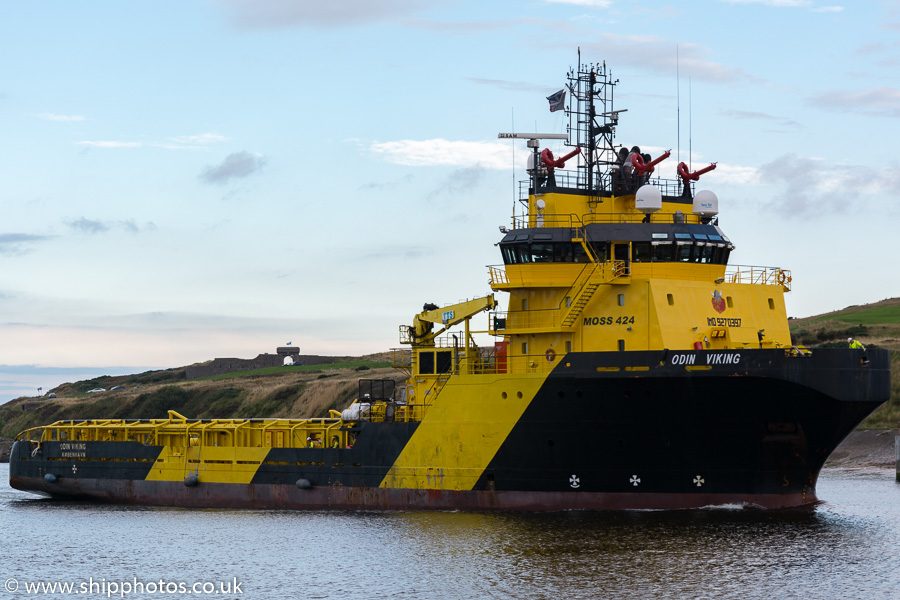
[(356, 365), (880, 315)]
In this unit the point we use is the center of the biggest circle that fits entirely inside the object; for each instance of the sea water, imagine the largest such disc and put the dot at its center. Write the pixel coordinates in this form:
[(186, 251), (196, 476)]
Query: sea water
[(846, 547)]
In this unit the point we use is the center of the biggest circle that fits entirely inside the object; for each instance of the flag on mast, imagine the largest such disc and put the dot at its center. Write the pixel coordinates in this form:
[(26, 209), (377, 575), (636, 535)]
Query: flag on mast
[(557, 100)]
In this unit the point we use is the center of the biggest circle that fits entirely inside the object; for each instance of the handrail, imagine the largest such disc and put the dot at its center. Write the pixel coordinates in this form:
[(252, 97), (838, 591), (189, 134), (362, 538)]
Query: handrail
[(569, 220), (758, 275), (603, 185)]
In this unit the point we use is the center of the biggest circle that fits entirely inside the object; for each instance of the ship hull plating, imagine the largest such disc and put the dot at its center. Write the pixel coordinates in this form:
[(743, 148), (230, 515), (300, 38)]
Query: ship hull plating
[(337, 497), (606, 430)]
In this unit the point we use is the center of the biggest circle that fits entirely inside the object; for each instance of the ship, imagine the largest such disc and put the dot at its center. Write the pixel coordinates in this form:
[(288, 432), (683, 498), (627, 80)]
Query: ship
[(628, 365)]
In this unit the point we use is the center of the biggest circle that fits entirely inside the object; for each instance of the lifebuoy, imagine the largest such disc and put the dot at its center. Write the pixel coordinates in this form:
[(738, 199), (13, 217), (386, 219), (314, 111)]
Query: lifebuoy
[(550, 354), (782, 278)]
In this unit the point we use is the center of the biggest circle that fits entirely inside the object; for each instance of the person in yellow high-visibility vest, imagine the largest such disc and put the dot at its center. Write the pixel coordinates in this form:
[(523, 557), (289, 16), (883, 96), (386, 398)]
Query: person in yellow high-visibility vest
[(857, 345)]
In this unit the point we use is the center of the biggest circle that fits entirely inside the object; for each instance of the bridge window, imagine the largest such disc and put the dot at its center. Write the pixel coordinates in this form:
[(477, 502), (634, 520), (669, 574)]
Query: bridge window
[(723, 255), (685, 249), (563, 252), (705, 254), (663, 252), (578, 254), (601, 251), (522, 254), (640, 252), (541, 253), (544, 252)]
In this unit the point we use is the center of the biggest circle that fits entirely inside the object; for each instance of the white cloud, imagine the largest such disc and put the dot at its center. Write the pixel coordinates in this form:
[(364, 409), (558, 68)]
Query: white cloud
[(436, 152), (584, 3), (881, 101), (95, 226), (730, 174), (334, 13), (200, 138), (813, 187), (108, 144), (775, 3), (182, 142), (657, 54), (14, 244), (55, 117)]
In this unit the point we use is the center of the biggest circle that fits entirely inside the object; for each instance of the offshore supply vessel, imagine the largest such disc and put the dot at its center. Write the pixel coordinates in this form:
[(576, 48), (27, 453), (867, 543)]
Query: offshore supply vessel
[(632, 368)]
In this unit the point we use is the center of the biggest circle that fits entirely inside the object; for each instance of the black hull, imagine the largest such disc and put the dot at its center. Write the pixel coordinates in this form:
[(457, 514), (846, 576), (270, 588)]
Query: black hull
[(629, 430)]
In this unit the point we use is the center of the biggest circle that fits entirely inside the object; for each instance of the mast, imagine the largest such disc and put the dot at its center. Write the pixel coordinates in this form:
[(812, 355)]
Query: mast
[(592, 122)]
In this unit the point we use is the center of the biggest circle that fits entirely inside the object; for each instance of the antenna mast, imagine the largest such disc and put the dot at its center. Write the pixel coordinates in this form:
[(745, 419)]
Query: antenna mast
[(592, 122)]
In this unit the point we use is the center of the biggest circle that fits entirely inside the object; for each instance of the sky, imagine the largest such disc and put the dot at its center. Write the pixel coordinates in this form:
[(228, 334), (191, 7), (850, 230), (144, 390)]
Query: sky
[(191, 179)]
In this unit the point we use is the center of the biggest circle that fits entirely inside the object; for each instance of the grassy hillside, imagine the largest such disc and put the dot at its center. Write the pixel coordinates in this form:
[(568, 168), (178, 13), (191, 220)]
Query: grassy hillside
[(876, 325), (296, 392)]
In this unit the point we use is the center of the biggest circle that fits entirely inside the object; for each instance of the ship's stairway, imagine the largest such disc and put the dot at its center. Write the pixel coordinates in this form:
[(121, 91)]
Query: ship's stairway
[(587, 283), (580, 301)]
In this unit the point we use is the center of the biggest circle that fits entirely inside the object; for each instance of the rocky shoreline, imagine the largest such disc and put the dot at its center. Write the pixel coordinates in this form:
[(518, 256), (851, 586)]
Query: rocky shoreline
[(868, 448)]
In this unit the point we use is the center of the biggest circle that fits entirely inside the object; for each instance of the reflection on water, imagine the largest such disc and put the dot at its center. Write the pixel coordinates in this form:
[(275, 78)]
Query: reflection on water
[(844, 548)]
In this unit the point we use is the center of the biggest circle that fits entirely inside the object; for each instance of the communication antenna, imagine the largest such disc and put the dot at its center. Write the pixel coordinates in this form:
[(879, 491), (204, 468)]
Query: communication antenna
[(678, 104), (513, 116)]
